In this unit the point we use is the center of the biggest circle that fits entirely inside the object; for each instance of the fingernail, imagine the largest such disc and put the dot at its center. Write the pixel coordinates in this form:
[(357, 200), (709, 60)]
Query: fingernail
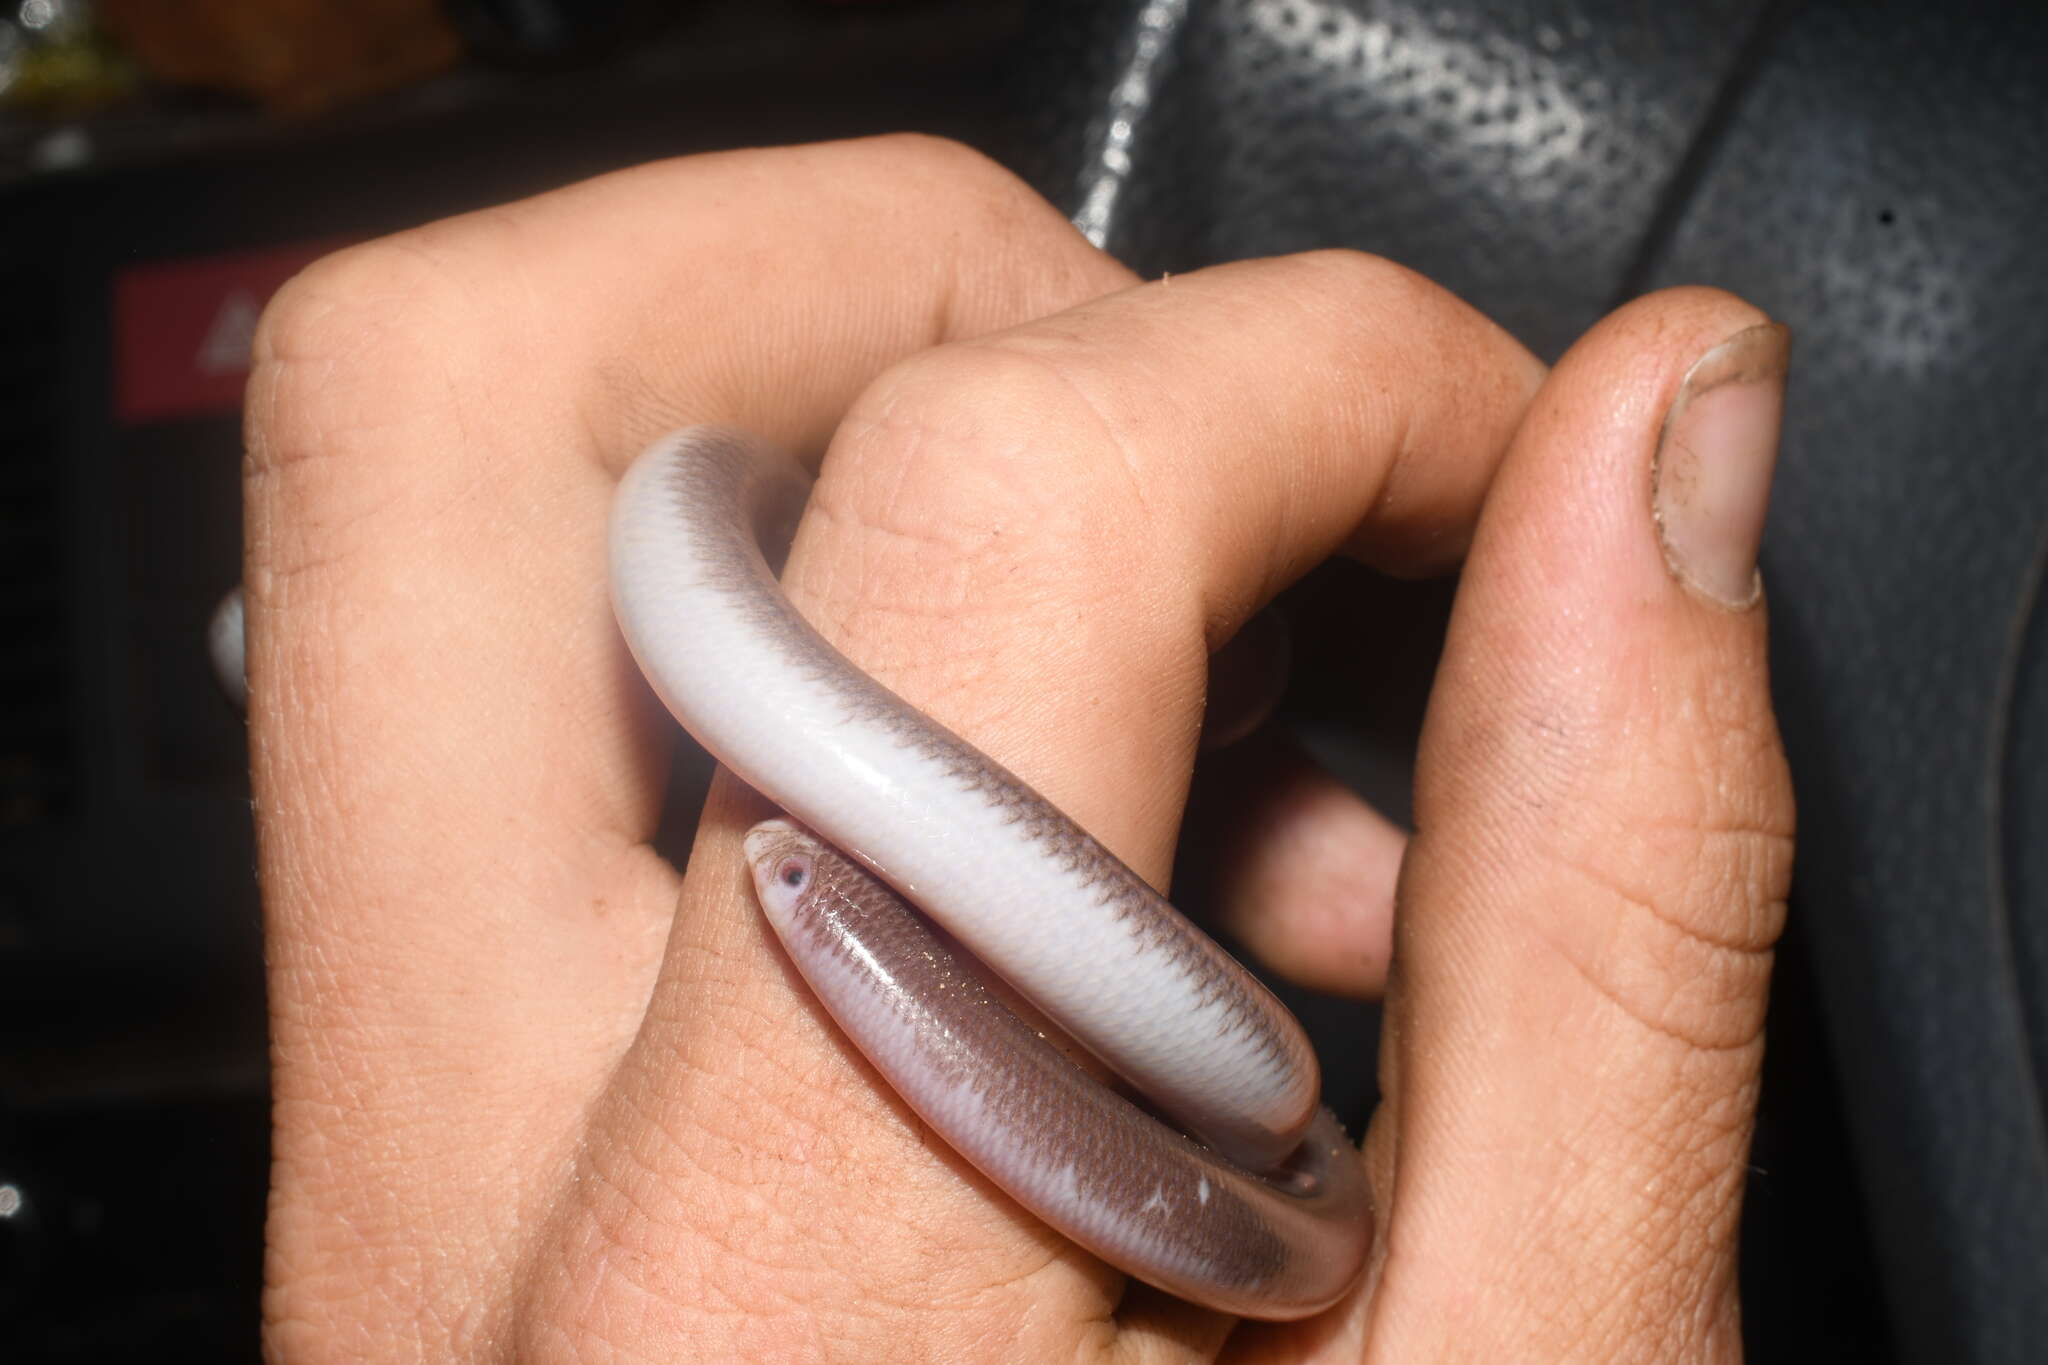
[(1711, 484)]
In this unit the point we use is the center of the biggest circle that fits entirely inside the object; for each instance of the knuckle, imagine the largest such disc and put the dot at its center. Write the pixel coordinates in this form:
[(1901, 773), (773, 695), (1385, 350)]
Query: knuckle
[(988, 454), (1639, 949), (956, 191), (1354, 270), (1025, 257), (363, 360), (1362, 285), (955, 173), (928, 155), (978, 533), (1679, 889), (344, 314), (336, 349)]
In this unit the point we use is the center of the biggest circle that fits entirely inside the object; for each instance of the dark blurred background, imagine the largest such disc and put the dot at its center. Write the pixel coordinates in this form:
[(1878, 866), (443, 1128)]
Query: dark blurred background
[(1876, 174)]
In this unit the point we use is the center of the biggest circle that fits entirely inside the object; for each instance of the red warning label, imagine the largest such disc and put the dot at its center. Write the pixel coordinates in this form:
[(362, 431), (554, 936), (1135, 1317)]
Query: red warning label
[(182, 329)]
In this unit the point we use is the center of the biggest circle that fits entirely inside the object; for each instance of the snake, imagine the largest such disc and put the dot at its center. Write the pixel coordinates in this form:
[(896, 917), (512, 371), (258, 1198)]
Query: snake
[(918, 886)]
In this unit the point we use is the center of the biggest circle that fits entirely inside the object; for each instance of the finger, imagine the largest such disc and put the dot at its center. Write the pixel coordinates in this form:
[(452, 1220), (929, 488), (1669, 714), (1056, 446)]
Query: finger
[(1083, 508), (1299, 869), (1039, 537), (1602, 849), (454, 763), (1247, 677), (1288, 860)]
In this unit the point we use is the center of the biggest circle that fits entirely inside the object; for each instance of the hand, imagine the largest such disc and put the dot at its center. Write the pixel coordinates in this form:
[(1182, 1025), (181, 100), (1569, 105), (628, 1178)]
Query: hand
[(540, 1095)]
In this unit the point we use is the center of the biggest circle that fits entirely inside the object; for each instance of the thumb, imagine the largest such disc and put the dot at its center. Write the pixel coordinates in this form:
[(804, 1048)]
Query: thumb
[(1602, 849)]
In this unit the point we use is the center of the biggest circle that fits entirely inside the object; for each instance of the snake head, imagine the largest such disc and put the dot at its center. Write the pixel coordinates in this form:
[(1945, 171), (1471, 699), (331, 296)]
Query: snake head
[(783, 856)]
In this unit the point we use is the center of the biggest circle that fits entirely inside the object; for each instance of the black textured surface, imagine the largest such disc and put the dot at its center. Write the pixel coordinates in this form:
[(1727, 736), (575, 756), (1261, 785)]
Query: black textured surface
[(2020, 810), (1514, 152)]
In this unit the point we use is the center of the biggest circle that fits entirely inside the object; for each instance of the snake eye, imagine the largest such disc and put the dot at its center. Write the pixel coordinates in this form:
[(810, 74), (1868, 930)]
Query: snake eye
[(793, 873)]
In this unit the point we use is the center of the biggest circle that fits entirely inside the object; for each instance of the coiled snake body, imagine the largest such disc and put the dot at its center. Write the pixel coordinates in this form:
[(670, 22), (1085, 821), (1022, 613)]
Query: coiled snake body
[(1268, 1213)]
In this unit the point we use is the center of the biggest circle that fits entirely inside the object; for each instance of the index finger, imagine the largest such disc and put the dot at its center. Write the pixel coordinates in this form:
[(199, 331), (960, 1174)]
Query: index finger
[(1037, 537), (1077, 511)]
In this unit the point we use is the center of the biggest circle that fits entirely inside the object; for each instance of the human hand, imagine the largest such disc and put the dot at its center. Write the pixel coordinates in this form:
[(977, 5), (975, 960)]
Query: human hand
[(537, 1093)]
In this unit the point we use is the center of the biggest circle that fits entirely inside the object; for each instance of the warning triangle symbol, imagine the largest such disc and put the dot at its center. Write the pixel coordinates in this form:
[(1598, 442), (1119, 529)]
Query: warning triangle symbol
[(231, 337)]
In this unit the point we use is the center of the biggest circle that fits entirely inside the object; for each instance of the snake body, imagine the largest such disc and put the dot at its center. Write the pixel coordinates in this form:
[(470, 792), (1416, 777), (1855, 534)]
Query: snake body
[(1267, 1214)]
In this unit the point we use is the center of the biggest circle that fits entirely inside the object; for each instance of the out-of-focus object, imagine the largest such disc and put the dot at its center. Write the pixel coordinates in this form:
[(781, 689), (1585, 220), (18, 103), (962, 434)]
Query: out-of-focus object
[(54, 59), (554, 33), (291, 56)]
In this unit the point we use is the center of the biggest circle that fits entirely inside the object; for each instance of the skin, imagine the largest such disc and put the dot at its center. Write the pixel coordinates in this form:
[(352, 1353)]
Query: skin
[(540, 1095)]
